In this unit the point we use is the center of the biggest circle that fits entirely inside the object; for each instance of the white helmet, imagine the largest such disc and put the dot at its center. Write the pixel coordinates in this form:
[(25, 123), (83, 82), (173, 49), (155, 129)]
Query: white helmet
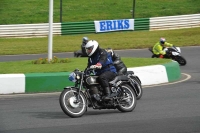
[(91, 47)]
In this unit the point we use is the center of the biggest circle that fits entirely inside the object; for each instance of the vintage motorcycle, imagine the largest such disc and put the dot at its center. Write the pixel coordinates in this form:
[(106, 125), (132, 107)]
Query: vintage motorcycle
[(173, 53), (87, 92)]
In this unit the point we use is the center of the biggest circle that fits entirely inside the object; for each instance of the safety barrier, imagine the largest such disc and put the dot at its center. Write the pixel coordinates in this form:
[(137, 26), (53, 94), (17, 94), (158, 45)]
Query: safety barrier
[(28, 30), (141, 24), (52, 82), (175, 22), (78, 28), (69, 28)]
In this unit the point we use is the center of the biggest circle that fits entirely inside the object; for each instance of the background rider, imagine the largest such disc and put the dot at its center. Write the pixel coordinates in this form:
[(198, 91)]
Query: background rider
[(158, 48)]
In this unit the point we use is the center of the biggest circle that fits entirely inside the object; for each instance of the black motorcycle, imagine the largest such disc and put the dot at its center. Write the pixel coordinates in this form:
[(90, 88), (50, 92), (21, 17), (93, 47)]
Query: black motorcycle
[(87, 92), (80, 53), (173, 53)]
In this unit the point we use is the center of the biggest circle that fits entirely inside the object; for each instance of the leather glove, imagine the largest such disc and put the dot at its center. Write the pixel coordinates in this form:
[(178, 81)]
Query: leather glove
[(97, 66)]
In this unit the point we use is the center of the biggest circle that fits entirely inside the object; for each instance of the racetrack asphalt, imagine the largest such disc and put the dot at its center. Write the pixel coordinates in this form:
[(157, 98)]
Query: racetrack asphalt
[(172, 108)]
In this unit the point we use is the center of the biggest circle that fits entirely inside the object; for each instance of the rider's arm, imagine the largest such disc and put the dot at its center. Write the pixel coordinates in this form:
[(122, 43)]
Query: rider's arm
[(168, 44)]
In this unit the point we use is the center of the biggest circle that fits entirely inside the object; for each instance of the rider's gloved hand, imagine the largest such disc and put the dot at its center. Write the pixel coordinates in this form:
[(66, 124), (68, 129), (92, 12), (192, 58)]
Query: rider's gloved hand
[(98, 66)]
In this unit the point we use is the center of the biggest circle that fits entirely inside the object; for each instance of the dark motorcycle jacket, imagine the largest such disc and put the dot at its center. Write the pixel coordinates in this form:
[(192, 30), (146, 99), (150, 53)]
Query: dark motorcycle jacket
[(101, 56), (119, 64)]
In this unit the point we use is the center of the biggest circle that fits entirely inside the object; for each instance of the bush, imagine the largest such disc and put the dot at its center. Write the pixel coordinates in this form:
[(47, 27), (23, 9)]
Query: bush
[(53, 61)]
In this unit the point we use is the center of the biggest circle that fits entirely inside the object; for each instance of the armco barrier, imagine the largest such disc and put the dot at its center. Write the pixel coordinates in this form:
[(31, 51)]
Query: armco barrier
[(70, 28), (29, 30), (51, 82)]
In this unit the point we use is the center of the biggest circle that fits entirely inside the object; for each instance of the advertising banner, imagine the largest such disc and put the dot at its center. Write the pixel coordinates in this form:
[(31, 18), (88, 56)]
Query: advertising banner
[(114, 25)]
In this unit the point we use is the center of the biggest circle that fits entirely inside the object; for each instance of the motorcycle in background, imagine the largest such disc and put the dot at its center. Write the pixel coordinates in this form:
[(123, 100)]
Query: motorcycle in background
[(173, 53), (87, 92), (80, 53)]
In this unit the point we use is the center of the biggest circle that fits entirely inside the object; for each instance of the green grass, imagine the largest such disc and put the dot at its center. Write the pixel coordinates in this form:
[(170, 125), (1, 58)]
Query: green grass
[(36, 11), (115, 40), (80, 63)]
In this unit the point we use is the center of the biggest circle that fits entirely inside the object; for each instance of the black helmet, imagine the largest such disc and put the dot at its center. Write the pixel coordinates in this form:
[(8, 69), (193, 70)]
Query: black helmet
[(85, 40)]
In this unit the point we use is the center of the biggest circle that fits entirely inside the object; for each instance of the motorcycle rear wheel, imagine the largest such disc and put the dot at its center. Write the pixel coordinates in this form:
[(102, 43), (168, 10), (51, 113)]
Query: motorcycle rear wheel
[(70, 105), (128, 102)]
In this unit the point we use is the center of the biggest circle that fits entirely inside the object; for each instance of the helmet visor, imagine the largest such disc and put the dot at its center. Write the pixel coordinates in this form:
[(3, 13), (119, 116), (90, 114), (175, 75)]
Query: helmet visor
[(162, 42), (89, 49)]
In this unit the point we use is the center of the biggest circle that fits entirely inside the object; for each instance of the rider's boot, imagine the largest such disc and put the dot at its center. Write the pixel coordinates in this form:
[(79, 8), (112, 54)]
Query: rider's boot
[(107, 94)]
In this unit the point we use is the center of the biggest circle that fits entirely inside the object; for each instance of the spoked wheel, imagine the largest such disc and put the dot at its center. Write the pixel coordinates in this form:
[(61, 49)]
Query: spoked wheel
[(70, 104), (181, 60), (128, 101)]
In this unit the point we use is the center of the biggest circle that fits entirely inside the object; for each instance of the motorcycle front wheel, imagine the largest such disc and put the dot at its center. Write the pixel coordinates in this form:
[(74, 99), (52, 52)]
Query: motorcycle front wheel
[(71, 104), (181, 60), (128, 101)]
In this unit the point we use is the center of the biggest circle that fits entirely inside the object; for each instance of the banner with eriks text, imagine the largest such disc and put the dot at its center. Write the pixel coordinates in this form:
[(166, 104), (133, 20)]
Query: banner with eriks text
[(114, 25)]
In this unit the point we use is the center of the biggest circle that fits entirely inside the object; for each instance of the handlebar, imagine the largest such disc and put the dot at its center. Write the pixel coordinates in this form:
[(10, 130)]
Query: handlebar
[(88, 71)]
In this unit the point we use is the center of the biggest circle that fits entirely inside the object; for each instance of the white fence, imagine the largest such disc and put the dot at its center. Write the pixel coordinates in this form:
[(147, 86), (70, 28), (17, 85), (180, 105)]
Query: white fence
[(175, 22), (28, 30), (156, 23)]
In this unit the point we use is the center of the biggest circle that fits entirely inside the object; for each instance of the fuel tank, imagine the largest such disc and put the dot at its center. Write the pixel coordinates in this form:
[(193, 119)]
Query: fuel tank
[(92, 80)]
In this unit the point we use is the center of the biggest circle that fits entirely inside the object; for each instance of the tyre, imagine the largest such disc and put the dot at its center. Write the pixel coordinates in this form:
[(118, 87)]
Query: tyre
[(70, 105), (138, 87), (128, 101), (181, 60)]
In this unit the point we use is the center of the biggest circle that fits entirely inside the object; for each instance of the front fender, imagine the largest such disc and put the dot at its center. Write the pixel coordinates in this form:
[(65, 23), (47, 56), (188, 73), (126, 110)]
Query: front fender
[(136, 77)]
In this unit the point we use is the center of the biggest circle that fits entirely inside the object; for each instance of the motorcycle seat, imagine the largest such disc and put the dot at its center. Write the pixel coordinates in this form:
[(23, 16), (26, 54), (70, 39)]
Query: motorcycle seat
[(118, 78)]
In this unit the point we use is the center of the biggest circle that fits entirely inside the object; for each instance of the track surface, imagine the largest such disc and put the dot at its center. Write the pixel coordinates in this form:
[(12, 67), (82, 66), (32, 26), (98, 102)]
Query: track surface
[(173, 108)]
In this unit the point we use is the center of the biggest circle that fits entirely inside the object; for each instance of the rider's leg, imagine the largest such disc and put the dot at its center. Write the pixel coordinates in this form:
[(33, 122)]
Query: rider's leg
[(104, 79)]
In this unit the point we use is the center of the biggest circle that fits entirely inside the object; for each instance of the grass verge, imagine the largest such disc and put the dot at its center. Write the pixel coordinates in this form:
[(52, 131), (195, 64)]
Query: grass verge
[(80, 63), (115, 40)]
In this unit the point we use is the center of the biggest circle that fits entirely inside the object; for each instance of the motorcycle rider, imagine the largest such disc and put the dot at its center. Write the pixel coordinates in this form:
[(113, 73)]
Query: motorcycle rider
[(84, 42), (82, 52), (98, 58), (118, 63), (158, 48)]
